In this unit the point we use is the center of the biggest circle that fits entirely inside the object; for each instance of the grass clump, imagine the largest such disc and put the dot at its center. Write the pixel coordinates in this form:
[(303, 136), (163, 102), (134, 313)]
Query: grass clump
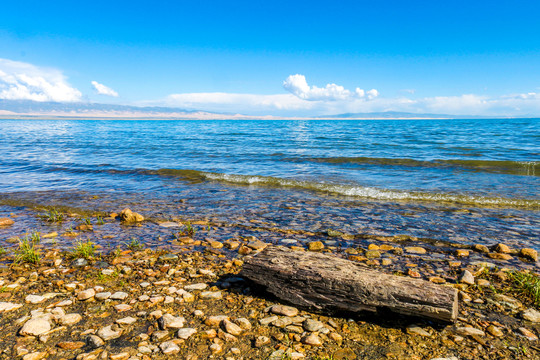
[(27, 251), (52, 215), (83, 249), (526, 284), (134, 244)]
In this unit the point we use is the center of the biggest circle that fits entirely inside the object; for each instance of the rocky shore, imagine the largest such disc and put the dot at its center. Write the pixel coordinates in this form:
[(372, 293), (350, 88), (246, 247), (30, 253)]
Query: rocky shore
[(187, 301)]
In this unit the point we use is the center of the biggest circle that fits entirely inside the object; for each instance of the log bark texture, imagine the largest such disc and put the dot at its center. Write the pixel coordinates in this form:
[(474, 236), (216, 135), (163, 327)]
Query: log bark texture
[(330, 284)]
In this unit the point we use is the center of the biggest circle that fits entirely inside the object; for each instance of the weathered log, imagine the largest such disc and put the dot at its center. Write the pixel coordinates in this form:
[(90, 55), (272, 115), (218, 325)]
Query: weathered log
[(331, 284)]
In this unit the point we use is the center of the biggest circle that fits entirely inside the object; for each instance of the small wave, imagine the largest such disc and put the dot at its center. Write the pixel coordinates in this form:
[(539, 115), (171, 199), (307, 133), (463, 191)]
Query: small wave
[(529, 168), (352, 190)]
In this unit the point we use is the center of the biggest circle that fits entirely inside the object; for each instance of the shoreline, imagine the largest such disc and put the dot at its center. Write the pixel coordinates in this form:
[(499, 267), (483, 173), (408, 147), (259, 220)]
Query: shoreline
[(491, 321)]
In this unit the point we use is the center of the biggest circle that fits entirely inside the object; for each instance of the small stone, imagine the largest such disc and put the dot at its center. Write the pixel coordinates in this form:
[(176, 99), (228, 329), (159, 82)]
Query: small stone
[(199, 286), (334, 336), (215, 348), (529, 254), (71, 345), (261, 341), (437, 280), (70, 319), (386, 262), (215, 244), (499, 256), (169, 321), (129, 216), (372, 254), (6, 222), (94, 341), (160, 335), (284, 310), (169, 348), (231, 327), (413, 273), (35, 299), (35, 327), (415, 250), (268, 320), (79, 262), (528, 334), (35, 355), (257, 245), (86, 294), (211, 295), (107, 333), (122, 307), (495, 331), (282, 322), (102, 296), (508, 302), (462, 253), (312, 339), (186, 333), (531, 315), (244, 323), (312, 325), (466, 278), (119, 356), (216, 320), (469, 331), (502, 248), (167, 258), (414, 329), (315, 246), (244, 250), (7, 306), (126, 321), (119, 295), (481, 248)]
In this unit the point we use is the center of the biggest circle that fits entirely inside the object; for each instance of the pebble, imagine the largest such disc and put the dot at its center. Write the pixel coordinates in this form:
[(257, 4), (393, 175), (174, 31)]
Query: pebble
[(94, 341), (231, 327), (312, 339), (502, 248), (186, 333), (415, 250), (466, 278), (284, 310), (70, 319), (35, 299), (199, 286), (7, 306), (169, 321), (469, 331), (119, 295), (86, 294), (103, 296), (312, 325), (215, 320), (126, 321), (532, 315), (108, 333), (211, 295), (495, 331), (414, 329), (261, 341), (268, 320), (35, 355), (315, 246), (528, 334), (169, 348), (529, 254)]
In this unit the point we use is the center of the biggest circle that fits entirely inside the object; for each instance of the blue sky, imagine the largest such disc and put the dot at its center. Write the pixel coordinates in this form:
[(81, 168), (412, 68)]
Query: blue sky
[(278, 57)]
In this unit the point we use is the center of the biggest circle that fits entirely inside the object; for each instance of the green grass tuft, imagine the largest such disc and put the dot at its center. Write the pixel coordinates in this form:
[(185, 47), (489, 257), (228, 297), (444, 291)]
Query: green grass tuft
[(527, 285), (27, 251), (134, 244), (52, 215), (84, 250)]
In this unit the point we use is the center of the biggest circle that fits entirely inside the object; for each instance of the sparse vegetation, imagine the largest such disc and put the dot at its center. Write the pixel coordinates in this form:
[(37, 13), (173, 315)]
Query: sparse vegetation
[(87, 221), (52, 215), (134, 244), (3, 251), (84, 249), (27, 251), (99, 220), (527, 284)]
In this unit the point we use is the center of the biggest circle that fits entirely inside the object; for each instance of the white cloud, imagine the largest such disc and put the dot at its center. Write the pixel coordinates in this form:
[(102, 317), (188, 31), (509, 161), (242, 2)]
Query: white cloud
[(104, 90), (23, 81), (297, 85)]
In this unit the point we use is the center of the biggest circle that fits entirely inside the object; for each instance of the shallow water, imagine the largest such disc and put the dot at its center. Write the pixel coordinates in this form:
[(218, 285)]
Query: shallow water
[(461, 181)]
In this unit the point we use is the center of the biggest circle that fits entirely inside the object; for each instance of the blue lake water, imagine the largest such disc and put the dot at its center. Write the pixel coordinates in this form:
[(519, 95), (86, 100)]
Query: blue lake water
[(333, 170)]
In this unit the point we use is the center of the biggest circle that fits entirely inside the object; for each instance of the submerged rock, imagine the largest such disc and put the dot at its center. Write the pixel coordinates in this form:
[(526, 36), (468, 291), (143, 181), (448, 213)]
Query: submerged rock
[(129, 216)]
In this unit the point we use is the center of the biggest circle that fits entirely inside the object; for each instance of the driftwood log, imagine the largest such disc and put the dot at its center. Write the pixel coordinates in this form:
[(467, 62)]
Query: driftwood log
[(330, 284)]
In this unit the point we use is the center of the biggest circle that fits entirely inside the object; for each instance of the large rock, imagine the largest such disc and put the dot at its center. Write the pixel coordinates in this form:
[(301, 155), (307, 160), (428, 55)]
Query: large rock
[(35, 327), (529, 254), (6, 222), (129, 216), (531, 315)]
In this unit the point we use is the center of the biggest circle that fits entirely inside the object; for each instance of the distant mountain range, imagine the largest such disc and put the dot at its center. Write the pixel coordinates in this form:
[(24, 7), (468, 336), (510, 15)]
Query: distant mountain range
[(36, 109)]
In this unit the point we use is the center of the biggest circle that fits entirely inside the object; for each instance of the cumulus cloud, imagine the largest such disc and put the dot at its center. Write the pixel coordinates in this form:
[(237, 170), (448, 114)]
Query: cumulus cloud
[(23, 81), (104, 90), (297, 85)]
